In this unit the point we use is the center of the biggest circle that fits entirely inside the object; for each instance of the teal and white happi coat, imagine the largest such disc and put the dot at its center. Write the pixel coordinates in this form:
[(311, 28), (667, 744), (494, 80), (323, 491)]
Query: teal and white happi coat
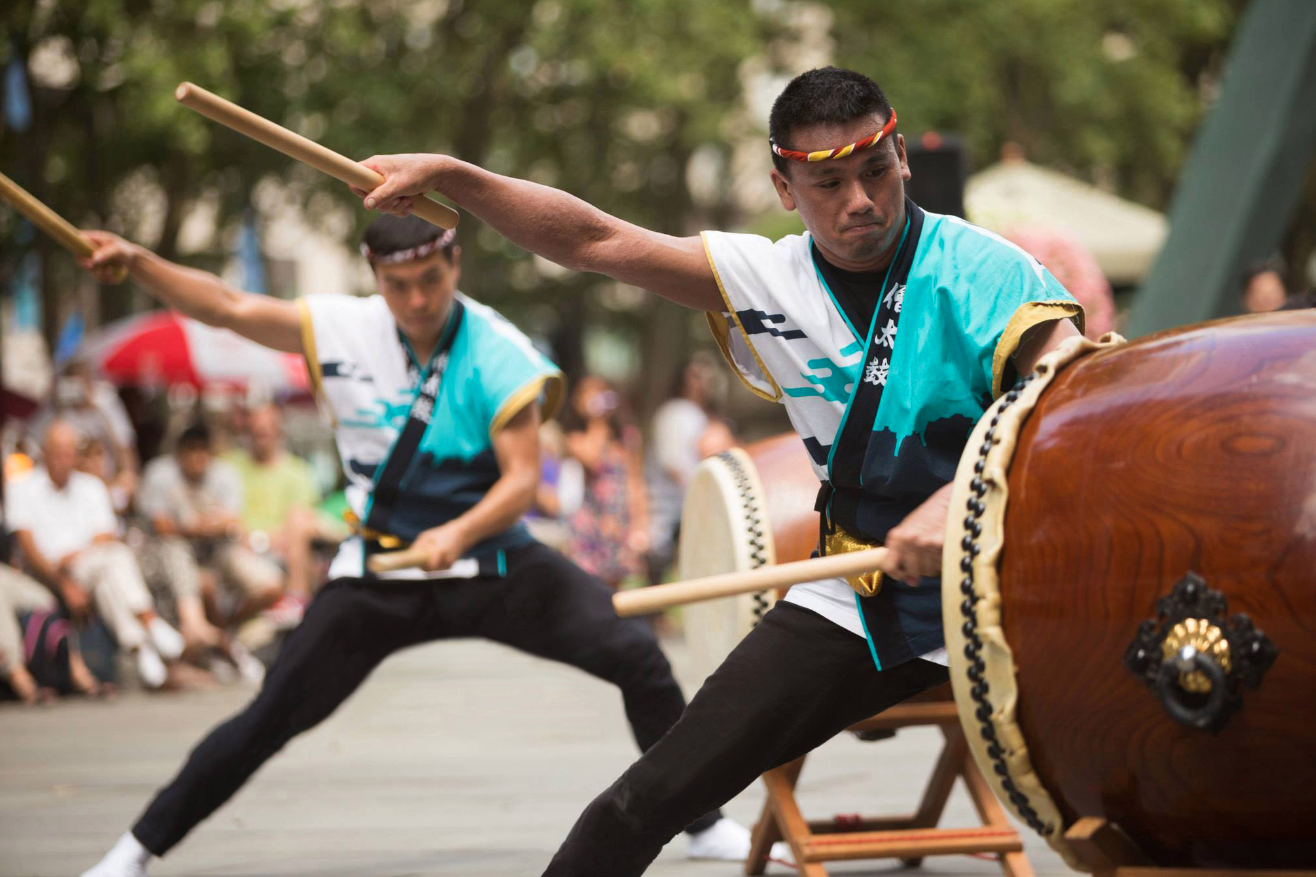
[(416, 438), (885, 409)]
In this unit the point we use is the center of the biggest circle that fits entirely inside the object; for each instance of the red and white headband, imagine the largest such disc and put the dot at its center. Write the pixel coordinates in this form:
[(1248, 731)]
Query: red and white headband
[(419, 252), (840, 151)]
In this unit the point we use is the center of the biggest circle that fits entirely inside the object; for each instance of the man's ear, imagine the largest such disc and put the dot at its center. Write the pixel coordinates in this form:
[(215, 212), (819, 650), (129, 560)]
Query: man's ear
[(456, 255), (783, 187), (899, 143)]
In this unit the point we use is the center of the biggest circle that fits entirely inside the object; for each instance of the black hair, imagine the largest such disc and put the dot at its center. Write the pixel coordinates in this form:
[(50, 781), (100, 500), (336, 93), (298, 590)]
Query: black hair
[(390, 234), (827, 95), (195, 437)]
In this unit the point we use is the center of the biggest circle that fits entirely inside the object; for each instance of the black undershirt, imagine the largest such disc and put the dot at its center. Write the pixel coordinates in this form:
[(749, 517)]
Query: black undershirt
[(857, 292)]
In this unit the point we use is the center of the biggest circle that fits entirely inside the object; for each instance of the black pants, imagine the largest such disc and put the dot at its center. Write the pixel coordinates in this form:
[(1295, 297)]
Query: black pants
[(792, 684), (546, 606)]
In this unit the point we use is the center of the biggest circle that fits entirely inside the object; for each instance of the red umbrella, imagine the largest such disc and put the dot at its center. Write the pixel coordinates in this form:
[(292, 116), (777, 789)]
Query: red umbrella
[(166, 348)]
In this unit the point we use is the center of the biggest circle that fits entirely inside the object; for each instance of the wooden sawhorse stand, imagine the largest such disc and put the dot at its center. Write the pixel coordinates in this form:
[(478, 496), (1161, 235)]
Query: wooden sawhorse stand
[(909, 838)]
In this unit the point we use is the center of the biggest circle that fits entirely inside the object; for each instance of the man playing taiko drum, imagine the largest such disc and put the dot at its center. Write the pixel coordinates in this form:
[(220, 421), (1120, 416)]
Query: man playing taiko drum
[(885, 331), (434, 397)]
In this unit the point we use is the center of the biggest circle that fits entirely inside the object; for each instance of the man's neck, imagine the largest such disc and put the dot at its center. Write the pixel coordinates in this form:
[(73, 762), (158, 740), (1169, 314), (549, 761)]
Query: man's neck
[(423, 345)]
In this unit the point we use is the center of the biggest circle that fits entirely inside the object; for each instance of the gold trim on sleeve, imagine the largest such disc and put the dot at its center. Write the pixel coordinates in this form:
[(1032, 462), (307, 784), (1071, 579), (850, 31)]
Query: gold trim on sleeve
[(308, 346), (553, 387), (1025, 317), (722, 334)]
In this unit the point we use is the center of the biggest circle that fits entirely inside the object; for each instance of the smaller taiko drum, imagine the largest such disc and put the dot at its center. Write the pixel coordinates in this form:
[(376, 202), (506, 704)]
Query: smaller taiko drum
[(745, 508)]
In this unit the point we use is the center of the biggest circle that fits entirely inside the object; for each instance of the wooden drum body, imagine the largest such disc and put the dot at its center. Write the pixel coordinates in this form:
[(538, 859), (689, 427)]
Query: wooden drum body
[(1110, 521), (744, 508)]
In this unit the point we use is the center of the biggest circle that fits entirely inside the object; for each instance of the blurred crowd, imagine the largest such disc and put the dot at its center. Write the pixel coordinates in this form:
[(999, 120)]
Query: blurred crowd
[(178, 567), (188, 567)]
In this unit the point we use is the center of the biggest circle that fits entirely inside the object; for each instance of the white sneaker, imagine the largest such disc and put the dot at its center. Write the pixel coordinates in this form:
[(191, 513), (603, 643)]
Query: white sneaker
[(728, 841), (150, 669), (167, 641), (127, 858)]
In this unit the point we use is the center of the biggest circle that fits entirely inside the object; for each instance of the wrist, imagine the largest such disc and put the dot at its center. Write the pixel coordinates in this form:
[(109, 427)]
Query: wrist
[(132, 256), (440, 171), (461, 535)]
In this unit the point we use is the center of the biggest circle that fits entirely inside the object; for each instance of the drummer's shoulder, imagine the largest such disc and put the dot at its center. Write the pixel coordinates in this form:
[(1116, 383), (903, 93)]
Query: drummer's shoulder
[(977, 256), (755, 250), (343, 305)]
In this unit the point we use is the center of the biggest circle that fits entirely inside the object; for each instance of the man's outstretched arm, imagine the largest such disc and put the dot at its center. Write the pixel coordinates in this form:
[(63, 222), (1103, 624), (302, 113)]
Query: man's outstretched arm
[(553, 224), (266, 320)]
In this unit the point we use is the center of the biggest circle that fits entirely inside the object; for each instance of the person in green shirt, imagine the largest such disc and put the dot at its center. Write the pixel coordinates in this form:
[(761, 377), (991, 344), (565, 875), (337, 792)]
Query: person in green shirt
[(279, 496)]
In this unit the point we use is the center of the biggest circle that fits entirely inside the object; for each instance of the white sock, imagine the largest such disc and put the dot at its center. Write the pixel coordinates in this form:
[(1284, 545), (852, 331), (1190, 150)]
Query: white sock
[(127, 858)]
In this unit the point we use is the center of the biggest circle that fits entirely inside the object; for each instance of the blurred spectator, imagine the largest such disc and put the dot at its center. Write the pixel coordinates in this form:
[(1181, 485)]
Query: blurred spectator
[(94, 410), (1263, 287), (193, 503), (609, 530), (94, 460), (1077, 270), (546, 517), (679, 425), (718, 437), (65, 525), (279, 496), (20, 594)]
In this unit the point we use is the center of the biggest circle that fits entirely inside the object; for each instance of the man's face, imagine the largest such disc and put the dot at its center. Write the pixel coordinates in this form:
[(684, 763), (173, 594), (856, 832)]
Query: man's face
[(854, 206), (265, 431), (60, 453), (419, 293), (1265, 292), (193, 461)]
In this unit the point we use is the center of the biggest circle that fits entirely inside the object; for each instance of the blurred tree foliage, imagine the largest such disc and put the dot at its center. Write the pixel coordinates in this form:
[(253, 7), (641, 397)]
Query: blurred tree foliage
[(1109, 90), (608, 99)]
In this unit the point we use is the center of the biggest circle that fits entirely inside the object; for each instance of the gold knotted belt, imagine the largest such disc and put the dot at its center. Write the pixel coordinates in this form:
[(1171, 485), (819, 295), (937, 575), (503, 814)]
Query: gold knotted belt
[(840, 542), (387, 541)]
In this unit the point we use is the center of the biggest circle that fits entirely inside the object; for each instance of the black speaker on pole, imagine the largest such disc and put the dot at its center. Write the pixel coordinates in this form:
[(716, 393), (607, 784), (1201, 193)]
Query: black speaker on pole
[(939, 167)]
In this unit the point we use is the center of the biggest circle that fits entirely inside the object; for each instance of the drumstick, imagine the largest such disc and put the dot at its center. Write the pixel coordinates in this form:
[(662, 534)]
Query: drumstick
[(642, 601), (296, 146), (391, 561), (51, 222)]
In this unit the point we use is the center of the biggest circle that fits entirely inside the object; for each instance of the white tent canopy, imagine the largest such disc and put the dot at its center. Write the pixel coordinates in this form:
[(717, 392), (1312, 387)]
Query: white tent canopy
[(1124, 237)]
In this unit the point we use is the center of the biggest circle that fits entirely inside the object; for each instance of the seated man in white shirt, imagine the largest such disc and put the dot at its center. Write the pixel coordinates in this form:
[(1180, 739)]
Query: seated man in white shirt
[(66, 529)]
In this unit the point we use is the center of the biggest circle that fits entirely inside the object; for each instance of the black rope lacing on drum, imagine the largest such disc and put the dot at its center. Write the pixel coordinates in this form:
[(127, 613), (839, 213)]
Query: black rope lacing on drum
[(758, 552), (973, 648)]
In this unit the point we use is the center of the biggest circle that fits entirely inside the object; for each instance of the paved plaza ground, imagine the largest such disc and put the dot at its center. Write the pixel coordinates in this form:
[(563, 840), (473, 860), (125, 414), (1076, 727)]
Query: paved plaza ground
[(460, 758)]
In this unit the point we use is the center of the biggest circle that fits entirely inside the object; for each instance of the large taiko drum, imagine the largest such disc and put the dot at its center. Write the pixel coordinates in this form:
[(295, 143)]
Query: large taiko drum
[(1130, 593), (745, 508)]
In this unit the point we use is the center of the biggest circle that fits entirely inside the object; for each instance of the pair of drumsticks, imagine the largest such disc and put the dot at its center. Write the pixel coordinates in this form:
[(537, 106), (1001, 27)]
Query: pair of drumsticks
[(636, 602)]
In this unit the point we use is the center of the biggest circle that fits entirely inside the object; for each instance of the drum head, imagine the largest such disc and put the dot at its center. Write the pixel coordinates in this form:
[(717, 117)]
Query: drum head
[(724, 528)]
